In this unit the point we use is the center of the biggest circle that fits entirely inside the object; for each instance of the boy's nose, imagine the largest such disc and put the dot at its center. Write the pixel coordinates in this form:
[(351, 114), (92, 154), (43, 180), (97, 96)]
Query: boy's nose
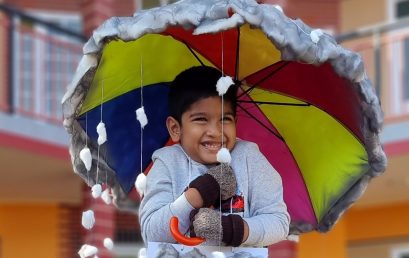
[(214, 130)]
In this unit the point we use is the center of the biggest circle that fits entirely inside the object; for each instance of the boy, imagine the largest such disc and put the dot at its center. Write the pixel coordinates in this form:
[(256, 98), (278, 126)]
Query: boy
[(186, 180)]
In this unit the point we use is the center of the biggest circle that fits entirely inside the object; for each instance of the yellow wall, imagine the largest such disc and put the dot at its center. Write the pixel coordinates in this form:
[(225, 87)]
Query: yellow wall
[(29, 230), (328, 245), (361, 13)]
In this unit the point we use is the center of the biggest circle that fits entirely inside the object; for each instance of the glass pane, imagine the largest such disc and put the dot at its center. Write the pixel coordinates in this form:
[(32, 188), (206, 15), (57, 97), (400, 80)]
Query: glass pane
[(402, 9)]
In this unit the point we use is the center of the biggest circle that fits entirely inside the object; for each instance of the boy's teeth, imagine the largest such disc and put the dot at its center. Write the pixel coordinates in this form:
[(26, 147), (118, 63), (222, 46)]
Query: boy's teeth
[(212, 146)]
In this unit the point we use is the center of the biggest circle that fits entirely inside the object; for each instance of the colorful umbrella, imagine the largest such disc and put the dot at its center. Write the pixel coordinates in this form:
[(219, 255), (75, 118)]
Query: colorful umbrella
[(305, 100)]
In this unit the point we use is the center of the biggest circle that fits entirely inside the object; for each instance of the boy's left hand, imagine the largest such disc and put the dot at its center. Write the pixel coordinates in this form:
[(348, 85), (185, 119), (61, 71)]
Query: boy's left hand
[(212, 225)]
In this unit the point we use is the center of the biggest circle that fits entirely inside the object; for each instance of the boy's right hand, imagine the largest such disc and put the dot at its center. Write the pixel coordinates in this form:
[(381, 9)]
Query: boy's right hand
[(219, 181)]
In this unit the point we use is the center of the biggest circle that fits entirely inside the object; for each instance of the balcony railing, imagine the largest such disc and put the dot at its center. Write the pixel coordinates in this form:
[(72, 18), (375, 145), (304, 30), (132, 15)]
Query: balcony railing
[(38, 60), (385, 51)]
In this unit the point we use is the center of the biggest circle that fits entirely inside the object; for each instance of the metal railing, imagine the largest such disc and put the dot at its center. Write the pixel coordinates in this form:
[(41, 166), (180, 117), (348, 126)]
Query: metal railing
[(38, 61), (385, 51)]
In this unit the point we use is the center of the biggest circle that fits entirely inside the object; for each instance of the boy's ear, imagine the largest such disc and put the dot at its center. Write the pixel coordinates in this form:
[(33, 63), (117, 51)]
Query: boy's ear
[(173, 128)]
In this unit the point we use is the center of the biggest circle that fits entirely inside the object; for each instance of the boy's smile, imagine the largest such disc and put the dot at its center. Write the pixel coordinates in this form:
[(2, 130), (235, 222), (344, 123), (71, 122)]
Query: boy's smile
[(200, 131)]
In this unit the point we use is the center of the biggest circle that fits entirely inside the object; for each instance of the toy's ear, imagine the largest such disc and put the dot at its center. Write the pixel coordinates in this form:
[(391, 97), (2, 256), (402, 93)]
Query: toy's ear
[(173, 128)]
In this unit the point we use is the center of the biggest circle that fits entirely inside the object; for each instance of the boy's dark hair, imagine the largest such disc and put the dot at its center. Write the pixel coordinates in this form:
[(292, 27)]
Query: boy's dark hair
[(194, 84)]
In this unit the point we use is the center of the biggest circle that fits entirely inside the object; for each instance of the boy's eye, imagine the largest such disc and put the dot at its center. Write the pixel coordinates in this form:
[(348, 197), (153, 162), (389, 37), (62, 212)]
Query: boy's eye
[(227, 119), (199, 119)]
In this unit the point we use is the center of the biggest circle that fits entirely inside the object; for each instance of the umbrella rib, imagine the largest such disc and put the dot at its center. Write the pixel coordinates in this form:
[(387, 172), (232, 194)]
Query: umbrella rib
[(263, 79), (236, 72), (275, 103), (261, 123), (194, 54)]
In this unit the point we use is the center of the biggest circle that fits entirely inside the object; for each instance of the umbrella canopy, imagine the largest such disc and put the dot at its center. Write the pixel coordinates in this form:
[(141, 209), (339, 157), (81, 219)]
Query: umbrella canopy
[(305, 100)]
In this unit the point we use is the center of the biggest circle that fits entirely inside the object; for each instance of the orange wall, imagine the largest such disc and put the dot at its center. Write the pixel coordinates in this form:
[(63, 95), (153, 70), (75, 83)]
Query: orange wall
[(29, 230), (320, 245), (357, 225), (379, 222)]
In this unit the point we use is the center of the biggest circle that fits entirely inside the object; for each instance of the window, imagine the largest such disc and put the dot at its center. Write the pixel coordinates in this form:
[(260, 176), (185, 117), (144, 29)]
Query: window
[(402, 9), (397, 9), (45, 60)]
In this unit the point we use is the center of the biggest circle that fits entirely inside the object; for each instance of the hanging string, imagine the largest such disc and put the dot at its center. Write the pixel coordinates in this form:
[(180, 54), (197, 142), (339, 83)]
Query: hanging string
[(142, 107), (99, 145), (221, 35), (221, 168), (86, 140)]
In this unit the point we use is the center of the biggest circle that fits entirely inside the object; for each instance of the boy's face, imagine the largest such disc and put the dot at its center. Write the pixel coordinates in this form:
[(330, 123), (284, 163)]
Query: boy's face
[(200, 131)]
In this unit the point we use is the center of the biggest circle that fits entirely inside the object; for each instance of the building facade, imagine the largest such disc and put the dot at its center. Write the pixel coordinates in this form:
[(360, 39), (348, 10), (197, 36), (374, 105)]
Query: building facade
[(41, 199)]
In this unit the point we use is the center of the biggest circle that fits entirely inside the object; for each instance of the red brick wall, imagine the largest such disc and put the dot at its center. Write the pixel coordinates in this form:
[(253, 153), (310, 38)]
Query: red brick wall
[(120, 8), (61, 5), (70, 239)]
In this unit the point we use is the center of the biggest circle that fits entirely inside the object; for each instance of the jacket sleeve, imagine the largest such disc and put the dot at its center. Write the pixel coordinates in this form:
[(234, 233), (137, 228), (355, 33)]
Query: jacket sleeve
[(160, 203), (269, 220)]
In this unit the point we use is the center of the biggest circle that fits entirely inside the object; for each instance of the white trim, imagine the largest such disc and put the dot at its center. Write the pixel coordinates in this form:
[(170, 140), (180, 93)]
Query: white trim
[(391, 10), (54, 15), (397, 252), (59, 17), (138, 5)]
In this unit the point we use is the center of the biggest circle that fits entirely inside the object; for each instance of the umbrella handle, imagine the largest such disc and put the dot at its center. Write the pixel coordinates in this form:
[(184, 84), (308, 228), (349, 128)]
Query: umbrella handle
[(179, 237)]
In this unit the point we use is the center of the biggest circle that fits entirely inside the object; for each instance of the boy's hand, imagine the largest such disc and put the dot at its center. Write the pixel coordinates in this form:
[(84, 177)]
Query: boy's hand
[(211, 225), (218, 181), (226, 179)]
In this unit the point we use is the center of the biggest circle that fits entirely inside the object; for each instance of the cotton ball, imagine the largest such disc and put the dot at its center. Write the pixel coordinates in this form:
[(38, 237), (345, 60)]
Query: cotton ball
[(85, 156), (140, 183), (108, 243), (88, 219), (223, 84), (141, 116), (96, 190), (142, 253), (316, 35), (106, 197), (217, 254), (102, 133), (87, 250), (223, 156)]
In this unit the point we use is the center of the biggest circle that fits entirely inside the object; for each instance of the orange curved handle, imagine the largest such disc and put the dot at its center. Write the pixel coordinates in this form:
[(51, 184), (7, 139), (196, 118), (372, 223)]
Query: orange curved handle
[(179, 237)]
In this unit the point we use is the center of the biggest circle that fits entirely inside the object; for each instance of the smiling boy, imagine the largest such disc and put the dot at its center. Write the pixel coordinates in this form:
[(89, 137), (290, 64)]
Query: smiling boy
[(186, 180)]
